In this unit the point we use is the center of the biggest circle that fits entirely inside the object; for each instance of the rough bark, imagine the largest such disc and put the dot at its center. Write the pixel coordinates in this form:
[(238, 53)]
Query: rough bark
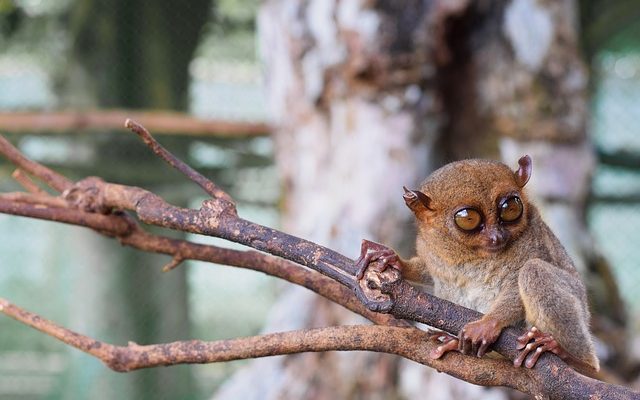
[(352, 91)]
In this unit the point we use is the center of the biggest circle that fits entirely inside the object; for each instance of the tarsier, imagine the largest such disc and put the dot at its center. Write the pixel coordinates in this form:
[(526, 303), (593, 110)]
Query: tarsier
[(483, 245)]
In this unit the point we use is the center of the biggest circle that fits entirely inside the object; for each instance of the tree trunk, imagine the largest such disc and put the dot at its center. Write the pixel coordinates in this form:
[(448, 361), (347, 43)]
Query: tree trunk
[(355, 116), (140, 50), (370, 96)]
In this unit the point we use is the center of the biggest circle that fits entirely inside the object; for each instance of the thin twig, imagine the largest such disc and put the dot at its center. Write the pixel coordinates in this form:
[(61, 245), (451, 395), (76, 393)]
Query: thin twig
[(42, 211), (176, 260), (26, 182), (42, 199), (53, 179), (209, 187)]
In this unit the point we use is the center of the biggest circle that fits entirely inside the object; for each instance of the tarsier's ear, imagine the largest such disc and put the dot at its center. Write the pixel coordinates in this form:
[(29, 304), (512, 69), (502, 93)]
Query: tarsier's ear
[(416, 200), (524, 171)]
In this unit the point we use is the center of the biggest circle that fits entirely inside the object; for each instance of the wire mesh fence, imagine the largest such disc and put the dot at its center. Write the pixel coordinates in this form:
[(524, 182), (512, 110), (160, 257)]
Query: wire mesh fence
[(614, 214), (55, 57)]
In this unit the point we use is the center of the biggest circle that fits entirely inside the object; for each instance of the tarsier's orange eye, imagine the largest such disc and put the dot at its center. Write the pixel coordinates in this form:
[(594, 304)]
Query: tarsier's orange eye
[(468, 219), (511, 209)]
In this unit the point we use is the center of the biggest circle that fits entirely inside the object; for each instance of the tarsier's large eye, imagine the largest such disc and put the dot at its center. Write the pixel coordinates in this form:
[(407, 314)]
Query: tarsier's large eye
[(511, 209), (468, 219)]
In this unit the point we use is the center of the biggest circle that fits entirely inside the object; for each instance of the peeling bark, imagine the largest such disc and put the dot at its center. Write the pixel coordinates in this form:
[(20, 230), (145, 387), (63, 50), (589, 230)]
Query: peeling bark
[(341, 77)]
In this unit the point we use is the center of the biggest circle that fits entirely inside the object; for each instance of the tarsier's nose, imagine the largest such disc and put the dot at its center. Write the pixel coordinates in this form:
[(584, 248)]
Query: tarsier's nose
[(496, 238)]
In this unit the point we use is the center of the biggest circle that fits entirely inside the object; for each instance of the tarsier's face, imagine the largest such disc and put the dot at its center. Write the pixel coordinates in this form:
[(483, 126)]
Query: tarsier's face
[(477, 205)]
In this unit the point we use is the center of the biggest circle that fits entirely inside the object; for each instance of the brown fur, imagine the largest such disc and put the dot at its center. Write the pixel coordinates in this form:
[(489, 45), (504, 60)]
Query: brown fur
[(530, 279)]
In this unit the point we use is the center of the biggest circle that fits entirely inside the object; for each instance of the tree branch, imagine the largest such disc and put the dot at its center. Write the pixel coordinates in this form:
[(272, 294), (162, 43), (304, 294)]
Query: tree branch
[(129, 233), (96, 202), (26, 182), (209, 187), (51, 178), (164, 122), (407, 342)]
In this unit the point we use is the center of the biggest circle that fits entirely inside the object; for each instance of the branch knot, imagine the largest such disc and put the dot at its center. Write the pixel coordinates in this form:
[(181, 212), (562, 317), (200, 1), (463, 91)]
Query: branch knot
[(87, 195), (219, 207), (375, 288)]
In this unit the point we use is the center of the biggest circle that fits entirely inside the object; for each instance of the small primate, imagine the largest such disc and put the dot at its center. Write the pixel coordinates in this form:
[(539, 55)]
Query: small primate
[(483, 245)]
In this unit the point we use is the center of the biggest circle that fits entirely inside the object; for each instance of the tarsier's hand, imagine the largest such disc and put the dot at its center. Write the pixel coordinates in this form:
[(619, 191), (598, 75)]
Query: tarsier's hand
[(477, 336), (372, 252)]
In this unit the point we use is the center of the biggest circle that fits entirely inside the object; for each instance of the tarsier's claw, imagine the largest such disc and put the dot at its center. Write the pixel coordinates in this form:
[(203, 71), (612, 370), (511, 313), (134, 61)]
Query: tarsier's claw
[(362, 263), (526, 338), (477, 336), (444, 348), (483, 348)]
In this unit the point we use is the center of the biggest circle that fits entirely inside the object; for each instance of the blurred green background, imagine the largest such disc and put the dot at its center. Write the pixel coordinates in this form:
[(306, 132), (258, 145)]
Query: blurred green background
[(200, 57), (196, 56)]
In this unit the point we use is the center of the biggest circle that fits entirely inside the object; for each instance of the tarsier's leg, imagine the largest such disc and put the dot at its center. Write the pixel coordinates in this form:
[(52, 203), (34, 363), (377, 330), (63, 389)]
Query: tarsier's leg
[(555, 306)]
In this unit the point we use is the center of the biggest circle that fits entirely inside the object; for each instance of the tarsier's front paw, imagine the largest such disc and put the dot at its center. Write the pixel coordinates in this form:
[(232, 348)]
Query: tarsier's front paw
[(477, 336), (371, 252)]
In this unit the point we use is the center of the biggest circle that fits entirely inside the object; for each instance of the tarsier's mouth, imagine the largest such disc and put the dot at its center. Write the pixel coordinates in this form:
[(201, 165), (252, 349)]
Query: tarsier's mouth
[(494, 247)]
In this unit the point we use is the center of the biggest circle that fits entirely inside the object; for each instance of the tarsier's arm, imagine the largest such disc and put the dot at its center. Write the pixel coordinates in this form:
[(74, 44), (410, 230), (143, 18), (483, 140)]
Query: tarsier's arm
[(476, 337), (416, 271)]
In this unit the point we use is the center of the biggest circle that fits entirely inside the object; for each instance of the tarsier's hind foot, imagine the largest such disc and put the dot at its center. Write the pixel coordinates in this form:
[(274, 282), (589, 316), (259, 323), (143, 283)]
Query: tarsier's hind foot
[(447, 342), (535, 342), (371, 252)]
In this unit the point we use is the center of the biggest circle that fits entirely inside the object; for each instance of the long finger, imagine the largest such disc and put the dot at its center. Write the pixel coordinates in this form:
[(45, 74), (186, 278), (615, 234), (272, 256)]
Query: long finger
[(444, 348), (483, 348), (533, 358)]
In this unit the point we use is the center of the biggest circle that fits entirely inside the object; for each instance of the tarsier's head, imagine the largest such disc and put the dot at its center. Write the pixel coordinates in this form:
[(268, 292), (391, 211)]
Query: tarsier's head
[(477, 204)]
